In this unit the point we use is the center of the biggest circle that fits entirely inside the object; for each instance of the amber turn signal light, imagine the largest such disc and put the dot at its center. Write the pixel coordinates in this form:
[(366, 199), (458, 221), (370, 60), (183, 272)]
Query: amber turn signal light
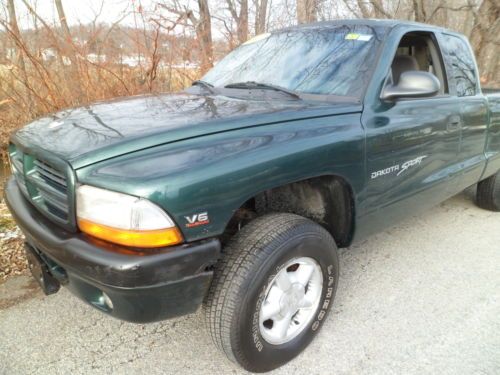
[(145, 238)]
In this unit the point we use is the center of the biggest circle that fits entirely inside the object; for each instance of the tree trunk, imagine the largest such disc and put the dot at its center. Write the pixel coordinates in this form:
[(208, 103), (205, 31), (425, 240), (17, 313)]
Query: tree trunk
[(69, 50), (62, 20), (419, 11), (307, 11), (67, 34), (243, 22), (19, 54), (365, 11), (260, 16), (204, 34), (378, 8), (14, 28), (240, 19)]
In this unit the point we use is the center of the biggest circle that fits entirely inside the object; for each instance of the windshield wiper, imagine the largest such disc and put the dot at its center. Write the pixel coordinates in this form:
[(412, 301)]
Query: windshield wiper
[(263, 86), (204, 84)]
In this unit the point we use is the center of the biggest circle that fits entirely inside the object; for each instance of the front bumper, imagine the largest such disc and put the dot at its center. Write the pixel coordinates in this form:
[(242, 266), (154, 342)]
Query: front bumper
[(143, 286)]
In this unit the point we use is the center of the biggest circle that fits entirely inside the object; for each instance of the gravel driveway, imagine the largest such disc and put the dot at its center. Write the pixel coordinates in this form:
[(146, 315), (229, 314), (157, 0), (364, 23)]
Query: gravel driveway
[(420, 298)]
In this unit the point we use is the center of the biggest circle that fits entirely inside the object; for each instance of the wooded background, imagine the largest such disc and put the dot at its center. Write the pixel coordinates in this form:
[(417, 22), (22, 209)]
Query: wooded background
[(163, 45)]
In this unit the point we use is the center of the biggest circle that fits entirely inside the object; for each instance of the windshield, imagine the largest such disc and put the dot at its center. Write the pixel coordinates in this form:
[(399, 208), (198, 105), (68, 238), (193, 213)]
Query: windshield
[(326, 61)]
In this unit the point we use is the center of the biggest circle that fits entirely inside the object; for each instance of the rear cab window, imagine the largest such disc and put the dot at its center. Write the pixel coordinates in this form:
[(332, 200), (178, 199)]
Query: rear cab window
[(460, 65)]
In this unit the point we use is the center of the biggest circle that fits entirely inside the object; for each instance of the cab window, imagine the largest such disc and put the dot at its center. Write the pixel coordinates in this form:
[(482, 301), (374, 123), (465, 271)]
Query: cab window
[(461, 65), (419, 51)]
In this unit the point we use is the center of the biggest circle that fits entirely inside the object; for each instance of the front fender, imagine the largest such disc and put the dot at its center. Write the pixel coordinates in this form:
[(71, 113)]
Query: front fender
[(216, 174)]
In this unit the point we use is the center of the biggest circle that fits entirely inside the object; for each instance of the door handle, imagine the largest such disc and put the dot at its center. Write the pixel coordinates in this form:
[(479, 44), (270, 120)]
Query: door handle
[(454, 123)]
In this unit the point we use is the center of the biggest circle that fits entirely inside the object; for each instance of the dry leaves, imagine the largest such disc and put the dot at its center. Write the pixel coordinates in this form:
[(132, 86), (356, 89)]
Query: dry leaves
[(12, 258)]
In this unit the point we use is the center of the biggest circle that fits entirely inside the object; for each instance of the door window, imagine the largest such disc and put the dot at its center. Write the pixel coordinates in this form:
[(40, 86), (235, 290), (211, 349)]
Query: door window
[(419, 51)]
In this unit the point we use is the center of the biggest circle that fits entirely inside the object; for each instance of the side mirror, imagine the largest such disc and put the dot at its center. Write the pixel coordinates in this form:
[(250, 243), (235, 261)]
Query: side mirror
[(412, 84)]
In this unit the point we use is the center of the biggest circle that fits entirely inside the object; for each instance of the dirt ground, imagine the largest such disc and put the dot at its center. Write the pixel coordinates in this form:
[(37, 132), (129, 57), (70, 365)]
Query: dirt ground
[(420, 298)]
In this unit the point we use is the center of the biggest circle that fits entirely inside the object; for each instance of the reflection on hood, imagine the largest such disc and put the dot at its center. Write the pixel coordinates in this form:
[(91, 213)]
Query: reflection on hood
[(144, 121)]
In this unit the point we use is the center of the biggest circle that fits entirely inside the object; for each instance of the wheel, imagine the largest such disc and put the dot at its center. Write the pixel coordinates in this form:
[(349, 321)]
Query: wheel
[(272, 290), (488, 193)]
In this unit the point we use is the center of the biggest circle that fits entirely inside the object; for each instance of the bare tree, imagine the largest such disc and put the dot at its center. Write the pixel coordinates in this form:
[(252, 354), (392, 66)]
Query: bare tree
[(419, 11), (68, 46), (204, 34), (62, 20), (485, 39), (307, 11), (379, 9), (260, 16), (14, 30), (202, 24), (19, 49), (363, 7), (368, 8), (241, 18)]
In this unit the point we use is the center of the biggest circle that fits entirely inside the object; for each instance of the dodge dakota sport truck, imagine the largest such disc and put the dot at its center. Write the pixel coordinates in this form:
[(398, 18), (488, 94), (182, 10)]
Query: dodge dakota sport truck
[(235, 194)]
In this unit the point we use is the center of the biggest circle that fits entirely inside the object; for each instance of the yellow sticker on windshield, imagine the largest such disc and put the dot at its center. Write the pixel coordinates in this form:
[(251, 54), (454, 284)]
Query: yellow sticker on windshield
[(351, 36), (257, 38), (361, 37)]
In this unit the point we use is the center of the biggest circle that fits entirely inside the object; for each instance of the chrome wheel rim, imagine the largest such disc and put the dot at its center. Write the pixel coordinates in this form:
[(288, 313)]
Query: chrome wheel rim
[(291, 300)]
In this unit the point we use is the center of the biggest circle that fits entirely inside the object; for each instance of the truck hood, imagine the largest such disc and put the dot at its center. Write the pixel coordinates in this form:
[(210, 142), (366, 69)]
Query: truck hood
[(87, 135)]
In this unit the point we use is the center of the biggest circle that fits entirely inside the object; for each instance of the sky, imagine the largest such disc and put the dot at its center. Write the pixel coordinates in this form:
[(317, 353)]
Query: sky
[(80, 11), (86, 11)]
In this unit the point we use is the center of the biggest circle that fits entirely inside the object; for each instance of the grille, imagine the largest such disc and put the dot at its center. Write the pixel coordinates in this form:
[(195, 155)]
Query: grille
[(44, 184), (51, 176)]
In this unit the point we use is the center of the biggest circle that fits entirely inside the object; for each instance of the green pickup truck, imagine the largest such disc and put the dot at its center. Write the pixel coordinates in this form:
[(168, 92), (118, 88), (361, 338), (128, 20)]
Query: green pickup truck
[(235, 194)]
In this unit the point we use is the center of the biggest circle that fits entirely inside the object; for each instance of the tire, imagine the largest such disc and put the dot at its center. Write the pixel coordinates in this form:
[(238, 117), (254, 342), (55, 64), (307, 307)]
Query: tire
[(248, 274), (488, 193)]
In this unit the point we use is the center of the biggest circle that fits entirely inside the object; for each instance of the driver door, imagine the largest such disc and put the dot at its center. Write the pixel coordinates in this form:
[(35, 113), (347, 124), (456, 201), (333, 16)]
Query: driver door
[(411, 143)]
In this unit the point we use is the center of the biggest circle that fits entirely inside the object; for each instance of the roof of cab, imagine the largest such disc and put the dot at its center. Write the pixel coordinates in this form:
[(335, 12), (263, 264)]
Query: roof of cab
[(366, 22)]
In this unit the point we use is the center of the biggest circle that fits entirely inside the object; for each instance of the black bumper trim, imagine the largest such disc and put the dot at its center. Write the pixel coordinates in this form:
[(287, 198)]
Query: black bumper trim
[(145, 304)]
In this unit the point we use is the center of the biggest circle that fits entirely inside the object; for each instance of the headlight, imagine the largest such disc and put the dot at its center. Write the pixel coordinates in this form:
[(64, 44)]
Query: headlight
[(124, 219)]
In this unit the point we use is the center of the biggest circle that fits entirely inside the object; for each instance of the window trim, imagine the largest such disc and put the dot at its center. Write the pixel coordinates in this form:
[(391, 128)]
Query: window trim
[(436, 52)]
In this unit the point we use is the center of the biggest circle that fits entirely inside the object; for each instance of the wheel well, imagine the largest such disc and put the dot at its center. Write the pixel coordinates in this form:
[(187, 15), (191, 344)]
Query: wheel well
[(327, 200)]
